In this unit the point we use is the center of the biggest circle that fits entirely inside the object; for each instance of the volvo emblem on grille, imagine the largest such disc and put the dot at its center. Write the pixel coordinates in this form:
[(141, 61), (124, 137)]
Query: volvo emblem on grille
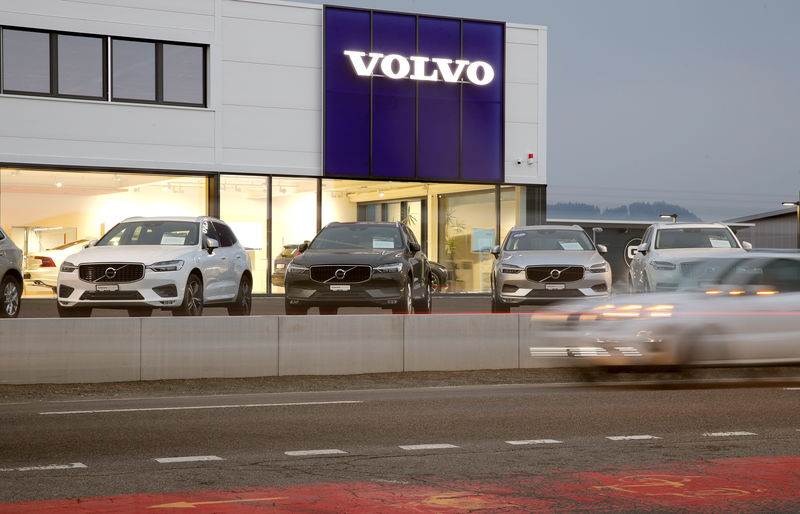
[(111, 273), (555, 274), (340, 273)]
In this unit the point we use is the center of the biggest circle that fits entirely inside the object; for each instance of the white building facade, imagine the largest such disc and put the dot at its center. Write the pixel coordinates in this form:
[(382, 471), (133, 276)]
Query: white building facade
[(115, 108)]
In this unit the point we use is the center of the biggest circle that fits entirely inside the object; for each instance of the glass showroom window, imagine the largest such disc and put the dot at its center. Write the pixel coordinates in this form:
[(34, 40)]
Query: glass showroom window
[(244, 206), (156, 72), (73, 206), (294, 220), (466, 234), (30, 57)]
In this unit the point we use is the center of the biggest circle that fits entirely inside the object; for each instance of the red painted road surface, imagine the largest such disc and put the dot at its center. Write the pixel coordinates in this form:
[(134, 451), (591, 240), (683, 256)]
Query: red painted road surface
[(767, 484)]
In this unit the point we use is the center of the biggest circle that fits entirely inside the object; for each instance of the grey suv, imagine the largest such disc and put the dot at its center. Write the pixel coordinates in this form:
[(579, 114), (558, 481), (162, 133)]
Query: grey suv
[(10, 277), (542, 263)]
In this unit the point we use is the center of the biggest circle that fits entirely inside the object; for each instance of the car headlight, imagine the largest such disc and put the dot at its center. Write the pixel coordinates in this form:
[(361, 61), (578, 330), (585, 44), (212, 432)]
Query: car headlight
[(510, 269), (598, 268), (67, 267), (664, 265), (295, 268), (166, 266), (395, 267)]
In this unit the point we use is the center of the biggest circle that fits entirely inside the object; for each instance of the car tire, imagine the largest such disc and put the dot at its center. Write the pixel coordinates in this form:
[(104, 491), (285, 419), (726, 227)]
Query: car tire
[(328, 311), (435, 283), (424, 305), (405, 306), (499, 307), (140, 312), (73, 312), (244, 299), (294, 310), (192, 298), (10, 296)]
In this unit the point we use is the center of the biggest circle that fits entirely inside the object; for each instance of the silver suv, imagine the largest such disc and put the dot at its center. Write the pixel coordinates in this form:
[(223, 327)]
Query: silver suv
[(542, 263), (10, 277), (670, 252)]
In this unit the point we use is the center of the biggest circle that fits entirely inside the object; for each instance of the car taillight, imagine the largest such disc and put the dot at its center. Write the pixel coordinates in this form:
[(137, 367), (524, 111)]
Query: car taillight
[(46, 262)]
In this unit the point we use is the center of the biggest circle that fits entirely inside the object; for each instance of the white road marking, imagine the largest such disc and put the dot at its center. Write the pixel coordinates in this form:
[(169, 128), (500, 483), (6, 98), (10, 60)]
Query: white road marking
[(427, 446), (726, 434), (74, 465), (240, 406), (630, 437), (535, 441), (300, 453), (197, 458)]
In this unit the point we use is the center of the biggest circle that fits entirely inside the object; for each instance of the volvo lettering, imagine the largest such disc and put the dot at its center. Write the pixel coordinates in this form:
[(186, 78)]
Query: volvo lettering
[(416, 67)]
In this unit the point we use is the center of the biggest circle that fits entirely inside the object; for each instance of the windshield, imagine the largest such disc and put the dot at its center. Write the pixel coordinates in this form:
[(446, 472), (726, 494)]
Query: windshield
[(686, 237), (165, 233), (548, 239), (377, 237)]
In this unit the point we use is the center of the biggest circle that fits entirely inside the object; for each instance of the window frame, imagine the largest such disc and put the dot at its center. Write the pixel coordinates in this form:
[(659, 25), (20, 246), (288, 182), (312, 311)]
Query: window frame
[(53, 64), (159, 72)]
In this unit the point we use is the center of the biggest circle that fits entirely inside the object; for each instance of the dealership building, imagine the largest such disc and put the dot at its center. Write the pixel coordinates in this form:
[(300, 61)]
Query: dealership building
[(277, 117)]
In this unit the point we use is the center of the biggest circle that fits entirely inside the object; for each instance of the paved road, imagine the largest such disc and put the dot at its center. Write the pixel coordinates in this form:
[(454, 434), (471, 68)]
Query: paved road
[(446, 449)]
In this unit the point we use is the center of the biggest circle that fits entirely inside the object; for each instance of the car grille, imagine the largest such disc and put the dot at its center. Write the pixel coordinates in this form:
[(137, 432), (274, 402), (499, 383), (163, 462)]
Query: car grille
[(122, 272), (347, 274), (111, 295), (545, 273)]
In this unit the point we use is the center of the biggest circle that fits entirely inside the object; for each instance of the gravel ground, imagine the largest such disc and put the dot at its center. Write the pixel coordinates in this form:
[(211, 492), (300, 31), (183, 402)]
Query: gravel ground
[(60, 392)]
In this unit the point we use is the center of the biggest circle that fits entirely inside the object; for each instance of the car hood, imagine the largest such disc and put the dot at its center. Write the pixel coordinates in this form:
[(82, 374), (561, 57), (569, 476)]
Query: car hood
[(551, 258), (335, 257), (696, 254), (146, 254)]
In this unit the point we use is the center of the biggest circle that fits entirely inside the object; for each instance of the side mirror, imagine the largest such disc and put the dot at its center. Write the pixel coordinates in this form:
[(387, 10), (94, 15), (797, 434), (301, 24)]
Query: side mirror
[(495, 251), (602, 248), (746, 245), (414, 247), (91, 243), (642, 248), (211, 243), (303, 247)]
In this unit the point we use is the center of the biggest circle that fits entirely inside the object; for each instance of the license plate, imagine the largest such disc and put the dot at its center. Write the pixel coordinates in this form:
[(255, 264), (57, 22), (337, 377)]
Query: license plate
[(553, 287), (107, 287), (340, 287)]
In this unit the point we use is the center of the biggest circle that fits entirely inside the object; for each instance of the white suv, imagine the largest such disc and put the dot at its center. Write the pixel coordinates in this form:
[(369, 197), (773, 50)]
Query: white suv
[(671, 252), (172, 263), (10, 277)]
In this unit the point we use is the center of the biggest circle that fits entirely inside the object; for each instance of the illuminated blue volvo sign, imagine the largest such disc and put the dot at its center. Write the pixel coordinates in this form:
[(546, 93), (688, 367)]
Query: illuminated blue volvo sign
[(412, 96)]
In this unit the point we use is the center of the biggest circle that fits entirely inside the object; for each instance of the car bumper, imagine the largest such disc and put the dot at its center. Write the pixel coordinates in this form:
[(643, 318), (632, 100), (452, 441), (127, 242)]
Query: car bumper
[(385, 291), (520, 291), (155, 289)]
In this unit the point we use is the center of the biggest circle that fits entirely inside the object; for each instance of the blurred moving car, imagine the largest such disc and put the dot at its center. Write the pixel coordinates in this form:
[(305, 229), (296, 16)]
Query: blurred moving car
[(544, 263), (362, 263), (440, 277), (669, 251), (10, 277), (175, 263), (288, 252), (41, 269), (733, 311)]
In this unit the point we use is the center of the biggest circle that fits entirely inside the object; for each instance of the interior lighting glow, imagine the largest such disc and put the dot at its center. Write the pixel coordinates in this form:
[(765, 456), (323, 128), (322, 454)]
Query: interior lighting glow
[(735, 293), (766, 293), (713, 292), (59, 184)]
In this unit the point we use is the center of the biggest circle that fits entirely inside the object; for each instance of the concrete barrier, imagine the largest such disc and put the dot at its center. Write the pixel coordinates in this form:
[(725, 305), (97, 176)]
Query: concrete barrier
[(454, 342), (341, 345), (226, 347), (129, 349), (60, 351)]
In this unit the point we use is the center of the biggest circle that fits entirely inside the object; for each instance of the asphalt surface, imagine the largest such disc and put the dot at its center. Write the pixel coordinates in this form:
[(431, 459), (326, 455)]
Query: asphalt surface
[(248, 430)]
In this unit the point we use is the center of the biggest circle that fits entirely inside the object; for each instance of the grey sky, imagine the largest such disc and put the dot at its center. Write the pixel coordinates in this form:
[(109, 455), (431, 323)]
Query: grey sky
[(693, 102)]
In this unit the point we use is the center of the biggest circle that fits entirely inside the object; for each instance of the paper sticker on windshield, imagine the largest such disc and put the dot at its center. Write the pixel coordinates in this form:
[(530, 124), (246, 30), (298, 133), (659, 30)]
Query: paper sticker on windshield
[(570, 245), (169, 239), (382, 243), (719, 243)]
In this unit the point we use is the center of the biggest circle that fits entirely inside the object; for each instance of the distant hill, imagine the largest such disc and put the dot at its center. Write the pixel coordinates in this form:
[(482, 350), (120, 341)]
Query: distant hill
[(637, 211)]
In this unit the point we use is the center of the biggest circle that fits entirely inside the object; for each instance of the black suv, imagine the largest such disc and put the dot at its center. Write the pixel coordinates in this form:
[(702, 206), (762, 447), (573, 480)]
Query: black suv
[(359, 264)]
